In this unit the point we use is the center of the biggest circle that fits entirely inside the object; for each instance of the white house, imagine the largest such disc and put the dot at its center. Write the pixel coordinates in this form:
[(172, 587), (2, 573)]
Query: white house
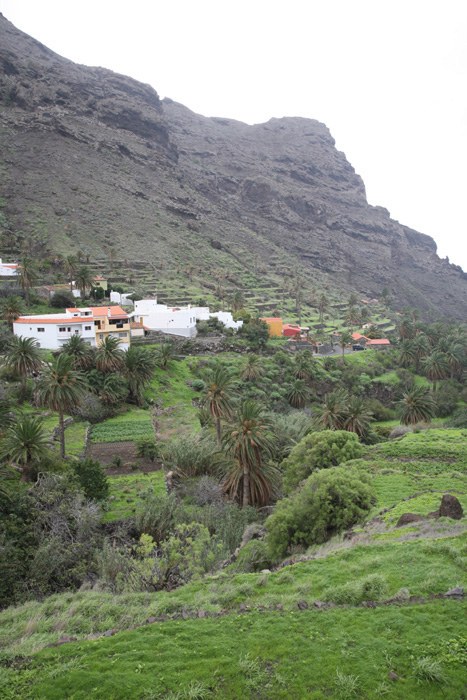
[(93, 324), (167, 319), (202, 313), (8, 269)]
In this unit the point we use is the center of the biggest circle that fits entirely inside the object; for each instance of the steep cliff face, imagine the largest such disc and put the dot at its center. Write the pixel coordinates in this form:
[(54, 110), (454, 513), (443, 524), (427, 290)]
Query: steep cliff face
[(95, 160)]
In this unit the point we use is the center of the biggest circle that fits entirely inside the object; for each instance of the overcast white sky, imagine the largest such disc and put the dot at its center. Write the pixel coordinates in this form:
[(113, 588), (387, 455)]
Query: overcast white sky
[(387, 77)]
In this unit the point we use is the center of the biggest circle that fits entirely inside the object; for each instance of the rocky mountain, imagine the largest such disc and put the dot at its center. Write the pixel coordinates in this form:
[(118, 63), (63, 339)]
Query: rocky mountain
[(95, 161)]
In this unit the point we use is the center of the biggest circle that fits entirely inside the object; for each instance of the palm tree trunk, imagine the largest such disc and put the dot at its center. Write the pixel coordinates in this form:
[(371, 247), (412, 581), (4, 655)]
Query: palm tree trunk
[(343, 358), (26, 471), (62, 434), (218, 431), (434, 385), (246, 486), (26, 290), (23, 389)]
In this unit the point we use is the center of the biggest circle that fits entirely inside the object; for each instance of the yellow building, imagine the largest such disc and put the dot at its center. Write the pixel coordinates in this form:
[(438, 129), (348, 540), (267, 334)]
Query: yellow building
[(275, 327), (111, 320), (100, 282)]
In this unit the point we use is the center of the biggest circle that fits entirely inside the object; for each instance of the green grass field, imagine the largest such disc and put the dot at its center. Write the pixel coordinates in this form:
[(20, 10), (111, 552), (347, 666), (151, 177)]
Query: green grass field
[(335, 654), (125, 492)]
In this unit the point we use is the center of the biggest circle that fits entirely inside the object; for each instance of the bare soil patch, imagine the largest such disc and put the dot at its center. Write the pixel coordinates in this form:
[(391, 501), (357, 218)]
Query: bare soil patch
[(106, 451)]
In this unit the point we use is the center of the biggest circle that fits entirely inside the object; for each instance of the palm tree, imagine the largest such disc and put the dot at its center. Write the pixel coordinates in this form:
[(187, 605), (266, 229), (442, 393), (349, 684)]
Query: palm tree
[(252, 368), (80, 351), (84, 280), (297, 394), (138, 370), (11, 309), (71, 268), (303, 365), (111, 388), (218, 398), (421, 348), (323, 304), (436, 367), (25, 441), (237, 300), (331, 414), (344, 340), (108, 357), (23, 358), (353, 317), (27, 276), (358, 418), (455, 355), (406, 330), (60, 389), (416, 405), (165, 354), (249, 443), (406, 352)]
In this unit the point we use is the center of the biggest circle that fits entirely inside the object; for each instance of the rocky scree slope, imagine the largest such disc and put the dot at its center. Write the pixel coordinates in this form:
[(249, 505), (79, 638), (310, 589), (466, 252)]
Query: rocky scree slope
[(94, 160)]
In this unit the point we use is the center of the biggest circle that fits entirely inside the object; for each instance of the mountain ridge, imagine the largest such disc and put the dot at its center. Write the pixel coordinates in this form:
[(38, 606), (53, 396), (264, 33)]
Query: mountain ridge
[(94, 160)]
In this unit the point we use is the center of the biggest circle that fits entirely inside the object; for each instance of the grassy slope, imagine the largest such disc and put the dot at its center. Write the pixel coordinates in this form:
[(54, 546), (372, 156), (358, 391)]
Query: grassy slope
[(295, 655), (419, 560)]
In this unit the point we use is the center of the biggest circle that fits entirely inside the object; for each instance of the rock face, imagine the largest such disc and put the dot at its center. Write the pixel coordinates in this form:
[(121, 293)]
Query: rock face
[(95, 160)]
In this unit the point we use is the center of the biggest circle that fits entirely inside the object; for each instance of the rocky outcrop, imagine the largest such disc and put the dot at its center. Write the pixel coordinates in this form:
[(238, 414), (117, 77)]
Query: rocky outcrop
[(96, 161)]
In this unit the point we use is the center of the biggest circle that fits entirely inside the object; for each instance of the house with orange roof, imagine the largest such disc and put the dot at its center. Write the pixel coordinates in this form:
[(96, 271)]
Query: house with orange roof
[(359, 338), (93, 324), (8, 269)]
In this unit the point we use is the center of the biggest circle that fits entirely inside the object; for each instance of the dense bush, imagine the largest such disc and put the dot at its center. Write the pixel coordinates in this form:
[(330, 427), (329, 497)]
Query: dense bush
[(380, 411), (319, 450), (92, 409), (329, 502), (458, 419), (147, 447), (445, 399), (92, 479), (198, 385), (191, 456), (63, 300)]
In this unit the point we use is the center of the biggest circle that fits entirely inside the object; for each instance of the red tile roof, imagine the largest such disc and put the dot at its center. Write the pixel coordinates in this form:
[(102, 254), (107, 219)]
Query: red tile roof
[(358, 336), (115, 311), (378, 341), (57, 321), (276, 318)]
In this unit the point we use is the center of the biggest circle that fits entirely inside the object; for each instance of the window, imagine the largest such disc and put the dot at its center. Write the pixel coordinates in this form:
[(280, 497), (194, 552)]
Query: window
[(41, 330), (101, 336), (87, 328), (62, 329), (69, 329), (38, 345), (122, 335), (76, 332)]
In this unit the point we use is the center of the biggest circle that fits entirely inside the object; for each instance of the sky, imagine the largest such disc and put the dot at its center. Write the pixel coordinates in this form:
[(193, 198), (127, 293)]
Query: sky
[(387, 77)]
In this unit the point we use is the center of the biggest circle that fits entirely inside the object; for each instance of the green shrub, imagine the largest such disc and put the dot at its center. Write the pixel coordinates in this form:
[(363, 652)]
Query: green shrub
[(458, 419), (372, 587), (63, 300), (254, 556), (92, 479), (330, 501), (146, 447), (319, 450), (198, 385)]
